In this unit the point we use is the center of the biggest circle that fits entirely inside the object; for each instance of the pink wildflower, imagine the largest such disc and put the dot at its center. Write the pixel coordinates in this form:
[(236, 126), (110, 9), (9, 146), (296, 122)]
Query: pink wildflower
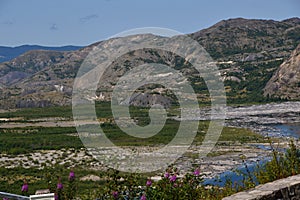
[(25, 186), (197, 172), (167, 175), (143, 197), (115, 194), (148, 183), (72, 175), (173, 178)]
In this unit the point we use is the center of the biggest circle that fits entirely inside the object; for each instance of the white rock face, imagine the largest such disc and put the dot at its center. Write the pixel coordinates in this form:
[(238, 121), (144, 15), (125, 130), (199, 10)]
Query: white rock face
[(285, 83)]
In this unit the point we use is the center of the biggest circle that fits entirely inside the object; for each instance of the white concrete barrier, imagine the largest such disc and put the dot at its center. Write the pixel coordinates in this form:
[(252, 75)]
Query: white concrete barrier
[(42, 197), (13, 196)]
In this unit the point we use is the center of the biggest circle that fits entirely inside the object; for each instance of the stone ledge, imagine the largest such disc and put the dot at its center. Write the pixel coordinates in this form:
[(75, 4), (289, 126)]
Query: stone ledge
[(283, 189)]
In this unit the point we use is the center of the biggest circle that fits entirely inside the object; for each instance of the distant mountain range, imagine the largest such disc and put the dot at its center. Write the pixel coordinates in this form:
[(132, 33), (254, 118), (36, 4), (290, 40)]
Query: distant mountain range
[(8, 53), (248, 52)]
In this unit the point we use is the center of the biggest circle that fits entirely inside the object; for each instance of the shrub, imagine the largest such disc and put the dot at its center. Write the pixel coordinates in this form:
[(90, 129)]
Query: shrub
[(282, 165)]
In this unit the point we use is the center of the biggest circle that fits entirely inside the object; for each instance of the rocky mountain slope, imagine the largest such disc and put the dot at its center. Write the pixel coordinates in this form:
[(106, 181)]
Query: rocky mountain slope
[(247, 40), (247, 52), (285, 83)]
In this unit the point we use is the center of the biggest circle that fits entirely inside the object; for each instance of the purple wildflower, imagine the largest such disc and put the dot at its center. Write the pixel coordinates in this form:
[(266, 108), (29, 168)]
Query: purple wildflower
[(148, 183), (197, 172), (55, 197), (115, 194), (173, 178), (60, 186), (167, 175), (72, 175), (5, 198), (25, 187), (143, 197)]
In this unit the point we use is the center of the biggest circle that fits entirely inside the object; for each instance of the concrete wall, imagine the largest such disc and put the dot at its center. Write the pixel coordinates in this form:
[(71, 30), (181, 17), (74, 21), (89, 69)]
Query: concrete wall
[(283, 189), (42, 197)]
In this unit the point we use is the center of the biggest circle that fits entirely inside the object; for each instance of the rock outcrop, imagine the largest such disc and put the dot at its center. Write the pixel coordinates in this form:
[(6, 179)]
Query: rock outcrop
[(286, 81)]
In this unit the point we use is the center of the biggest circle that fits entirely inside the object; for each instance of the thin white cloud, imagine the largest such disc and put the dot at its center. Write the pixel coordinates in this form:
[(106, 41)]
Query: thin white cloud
[(88, 18)]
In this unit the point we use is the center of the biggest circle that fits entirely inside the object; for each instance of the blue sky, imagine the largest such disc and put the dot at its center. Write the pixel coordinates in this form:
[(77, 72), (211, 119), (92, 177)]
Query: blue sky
[(62, 22)]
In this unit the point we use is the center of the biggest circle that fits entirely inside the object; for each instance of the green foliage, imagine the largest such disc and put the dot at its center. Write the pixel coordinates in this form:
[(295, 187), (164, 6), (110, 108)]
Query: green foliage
[(33, 113), (250, 90), (47, 178), (23, 140), (282, 165), (121, 186), (28, 139), (293, 34), (118, 137), (172, 187)]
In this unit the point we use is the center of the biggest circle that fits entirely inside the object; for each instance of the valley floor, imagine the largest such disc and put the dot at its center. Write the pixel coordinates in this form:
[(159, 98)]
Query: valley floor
[(238, 143)]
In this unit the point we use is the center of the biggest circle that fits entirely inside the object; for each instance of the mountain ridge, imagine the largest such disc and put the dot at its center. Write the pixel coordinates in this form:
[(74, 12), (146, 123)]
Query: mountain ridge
[(7, 53), (247, 52)]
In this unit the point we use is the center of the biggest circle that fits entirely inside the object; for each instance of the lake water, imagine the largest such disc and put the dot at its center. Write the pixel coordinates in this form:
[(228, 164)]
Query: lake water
[(237, 176), (292, 129)]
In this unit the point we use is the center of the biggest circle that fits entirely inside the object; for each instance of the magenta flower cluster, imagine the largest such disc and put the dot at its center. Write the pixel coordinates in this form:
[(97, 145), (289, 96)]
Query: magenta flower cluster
[(60, 186), (143, 197), (25, 187), (115, 194), (173, 178), (197, 172), (167, 175), (148, 183), (72, 175)]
